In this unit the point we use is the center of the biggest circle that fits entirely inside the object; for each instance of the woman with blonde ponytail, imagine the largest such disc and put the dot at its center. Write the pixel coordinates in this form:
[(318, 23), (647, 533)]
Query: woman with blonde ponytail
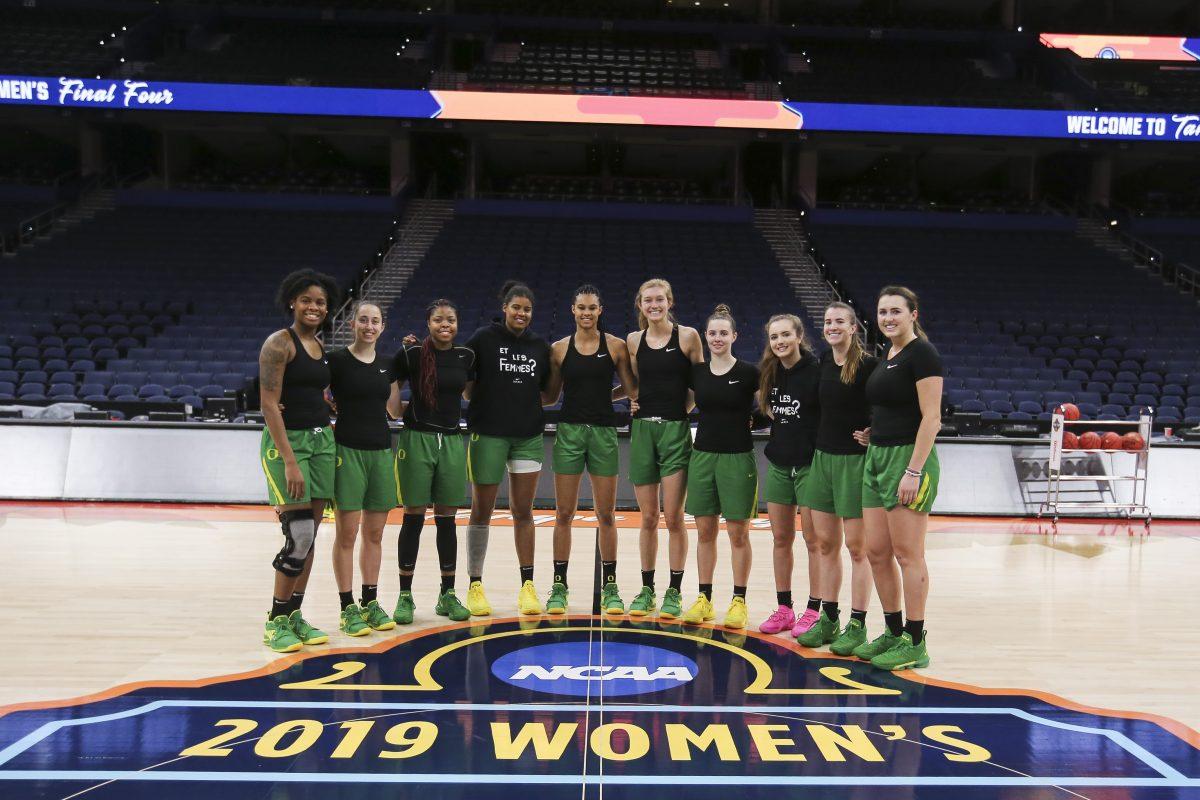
[(787, 392), (834, 489)]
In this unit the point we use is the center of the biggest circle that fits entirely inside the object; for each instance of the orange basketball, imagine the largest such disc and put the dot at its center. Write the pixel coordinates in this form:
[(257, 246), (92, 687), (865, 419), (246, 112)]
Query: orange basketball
[(1070, 441), (1090, 441), (1133, 442), (1069, 411), (1111, 441)]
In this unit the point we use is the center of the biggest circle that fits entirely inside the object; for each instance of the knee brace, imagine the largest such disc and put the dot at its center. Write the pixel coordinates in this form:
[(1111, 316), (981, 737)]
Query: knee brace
[(299, 531), (409, 543)]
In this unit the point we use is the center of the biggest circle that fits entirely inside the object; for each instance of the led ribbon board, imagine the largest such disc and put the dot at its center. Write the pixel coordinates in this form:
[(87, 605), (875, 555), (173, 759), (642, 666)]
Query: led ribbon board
[(127, 94), (1130, 48)]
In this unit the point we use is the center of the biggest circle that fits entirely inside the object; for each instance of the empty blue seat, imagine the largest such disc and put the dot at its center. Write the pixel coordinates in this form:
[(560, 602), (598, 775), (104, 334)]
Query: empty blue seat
[(1030, 407), (121, 390), (972, 407), (1114, 410), (213, 390), (1001, 407), (1088, 410)]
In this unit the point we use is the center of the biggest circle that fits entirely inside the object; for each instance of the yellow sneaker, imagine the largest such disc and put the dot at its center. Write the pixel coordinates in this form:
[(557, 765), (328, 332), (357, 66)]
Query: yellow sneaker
[(736, 616), (527, 600), (701, 611), (477, 602)]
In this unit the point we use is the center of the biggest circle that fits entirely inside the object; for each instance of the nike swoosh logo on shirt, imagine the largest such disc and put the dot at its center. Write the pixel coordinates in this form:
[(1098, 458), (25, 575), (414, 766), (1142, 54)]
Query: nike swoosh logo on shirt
[(670, 350), (382, 371), (731, 383), (892, 366), (602, 355)]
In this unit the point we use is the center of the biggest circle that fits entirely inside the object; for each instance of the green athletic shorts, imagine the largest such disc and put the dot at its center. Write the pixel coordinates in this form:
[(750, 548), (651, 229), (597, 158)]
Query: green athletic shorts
[(431, 468), (658, 449), (835, 484), (489, 456), (882, 471), (785, 485), (365, 480), (593, 447), (315, 455), (722, 483)]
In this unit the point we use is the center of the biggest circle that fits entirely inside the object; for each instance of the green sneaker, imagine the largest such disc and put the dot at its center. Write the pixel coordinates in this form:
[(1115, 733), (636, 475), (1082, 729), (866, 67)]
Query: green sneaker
[(851, 637), (279, 637), (610, 600), (353, 622), (404, 609), (644, 604), (306, 633), (672, 605), (904, 655), (823, 631), (556, 603), (880, 644), (376, 617), (449, 606)]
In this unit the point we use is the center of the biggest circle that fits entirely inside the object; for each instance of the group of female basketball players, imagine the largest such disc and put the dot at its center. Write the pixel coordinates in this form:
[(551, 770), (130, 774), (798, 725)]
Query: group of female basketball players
[(851, 447)]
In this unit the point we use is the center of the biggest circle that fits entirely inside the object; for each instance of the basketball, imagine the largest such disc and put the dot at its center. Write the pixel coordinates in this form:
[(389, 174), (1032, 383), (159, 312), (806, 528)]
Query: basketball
[(1070, 441), (1069, 411), (1090, 441), (1133, 442), (1111, 441)]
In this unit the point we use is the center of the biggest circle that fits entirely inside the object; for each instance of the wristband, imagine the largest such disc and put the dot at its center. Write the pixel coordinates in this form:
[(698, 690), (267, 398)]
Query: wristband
[(912, 473)]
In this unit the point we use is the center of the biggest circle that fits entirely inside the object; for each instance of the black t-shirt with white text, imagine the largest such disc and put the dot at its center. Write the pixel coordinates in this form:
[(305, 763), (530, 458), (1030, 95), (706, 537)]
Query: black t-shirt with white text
[(795, 413), (510, 373), (725, 404), (361, 392), (844, 407), (892, 393), (455, 366)]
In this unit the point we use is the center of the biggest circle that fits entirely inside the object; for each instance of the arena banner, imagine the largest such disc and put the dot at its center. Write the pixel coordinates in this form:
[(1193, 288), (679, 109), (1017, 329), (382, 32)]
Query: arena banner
[(1130, 48), (139, 95)]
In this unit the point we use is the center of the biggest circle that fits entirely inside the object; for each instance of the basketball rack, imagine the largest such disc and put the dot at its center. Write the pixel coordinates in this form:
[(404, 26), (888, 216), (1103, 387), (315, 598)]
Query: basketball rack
[(1117, 473)]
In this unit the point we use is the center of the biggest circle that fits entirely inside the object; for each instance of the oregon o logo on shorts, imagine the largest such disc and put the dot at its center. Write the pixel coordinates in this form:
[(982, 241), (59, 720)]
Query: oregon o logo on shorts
[(272, 454), (339, 461), (401, 454), (595, 668)]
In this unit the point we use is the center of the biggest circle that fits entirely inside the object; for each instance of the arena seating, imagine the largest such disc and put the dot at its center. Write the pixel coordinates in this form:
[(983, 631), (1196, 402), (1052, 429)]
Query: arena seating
[(160, 303), (309, 181), (629, 190), (626, 63), (1129, 85), (707, 263), (37, 41), (1028, 321), (604, 9)]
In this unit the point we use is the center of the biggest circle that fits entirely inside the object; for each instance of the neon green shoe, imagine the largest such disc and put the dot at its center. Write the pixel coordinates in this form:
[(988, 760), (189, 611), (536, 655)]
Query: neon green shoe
[(880, 644), (306, 633), (823, 631), (527, 600), (644, 604), (279, 637), (672, 605), (853, 635), (556, 603), (376, 617), (449, 606), (610, 600), (737, 615), (404, 609), (477, 601), (701, 611), (904, 655), (353, 621)]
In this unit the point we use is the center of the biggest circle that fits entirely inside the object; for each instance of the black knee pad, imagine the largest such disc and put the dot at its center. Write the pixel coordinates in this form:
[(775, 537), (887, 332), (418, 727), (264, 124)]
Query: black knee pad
[(299, 531)]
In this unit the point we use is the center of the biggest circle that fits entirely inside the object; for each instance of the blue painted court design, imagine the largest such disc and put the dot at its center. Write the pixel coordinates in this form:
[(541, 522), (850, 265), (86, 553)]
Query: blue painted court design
[(586, 708)]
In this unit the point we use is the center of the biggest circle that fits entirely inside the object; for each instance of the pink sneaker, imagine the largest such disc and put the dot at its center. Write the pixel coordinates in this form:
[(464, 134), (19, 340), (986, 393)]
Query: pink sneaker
[(782, 619), (805, 621)]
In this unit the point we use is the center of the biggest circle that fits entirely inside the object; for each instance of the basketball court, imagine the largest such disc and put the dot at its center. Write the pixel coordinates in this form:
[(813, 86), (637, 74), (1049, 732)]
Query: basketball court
[(159, 685)]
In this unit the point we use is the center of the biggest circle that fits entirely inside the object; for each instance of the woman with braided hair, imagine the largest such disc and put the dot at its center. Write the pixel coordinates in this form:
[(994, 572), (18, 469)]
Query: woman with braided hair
[(431, 460)]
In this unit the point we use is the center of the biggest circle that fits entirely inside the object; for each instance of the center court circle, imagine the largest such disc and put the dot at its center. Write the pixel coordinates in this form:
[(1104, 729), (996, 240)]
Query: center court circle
[(608, 669)]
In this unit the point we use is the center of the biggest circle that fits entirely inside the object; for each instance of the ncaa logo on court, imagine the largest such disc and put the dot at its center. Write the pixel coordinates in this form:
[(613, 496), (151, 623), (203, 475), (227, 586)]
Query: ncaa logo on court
[(596, 669)]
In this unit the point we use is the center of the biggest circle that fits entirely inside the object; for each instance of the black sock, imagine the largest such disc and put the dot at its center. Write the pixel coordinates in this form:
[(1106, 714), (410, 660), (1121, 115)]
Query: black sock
[(608, 572), (279, 608), (297, 600), (916, 629), (784, 598), (814, 603), (560, 573), (648, 578), (406, 582), (894, 621), (706, 590), (475, 578), (829, 609), (345, 599), (861, 616), (677, 580), (526, 573), (739, 591), (447, 584), (370, 591)]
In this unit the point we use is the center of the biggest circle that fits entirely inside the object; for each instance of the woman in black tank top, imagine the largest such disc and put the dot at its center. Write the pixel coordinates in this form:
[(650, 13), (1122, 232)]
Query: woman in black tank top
[(583, 365), (298, 450), (662, 353)]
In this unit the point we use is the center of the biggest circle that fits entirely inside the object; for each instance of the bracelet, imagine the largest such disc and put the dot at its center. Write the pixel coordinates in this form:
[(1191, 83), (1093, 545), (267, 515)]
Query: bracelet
[(912, 473)]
